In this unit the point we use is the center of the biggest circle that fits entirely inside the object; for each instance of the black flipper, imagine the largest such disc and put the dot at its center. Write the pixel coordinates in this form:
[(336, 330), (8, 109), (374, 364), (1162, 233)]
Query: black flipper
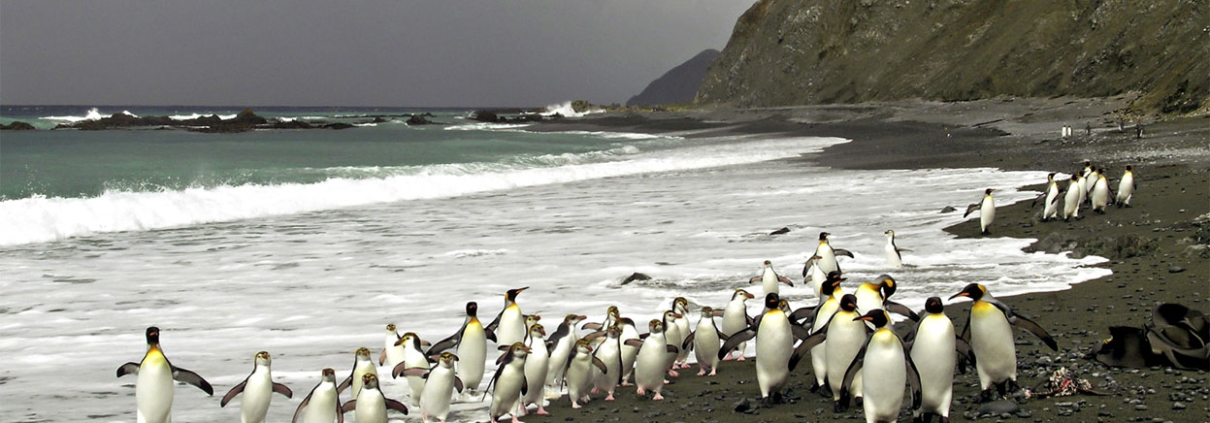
[(800, 332), (972, 208), (913, 379), (396, 405), (415, 371), (182, 375), (447, 343), (233, 392), (851, 373), (490, 329), (966, 354), (734, 341), (897, 308), (283, 389), (128, 369), (842, 252), (688, 340), (458, 385), (633, 343), (1025, 323), (672, 349), (809, 342), (785, 280), (524, 385), (305, 401)]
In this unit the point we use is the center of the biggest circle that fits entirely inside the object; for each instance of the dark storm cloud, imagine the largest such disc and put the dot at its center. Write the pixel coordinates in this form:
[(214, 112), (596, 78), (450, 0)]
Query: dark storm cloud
[(321, 52)]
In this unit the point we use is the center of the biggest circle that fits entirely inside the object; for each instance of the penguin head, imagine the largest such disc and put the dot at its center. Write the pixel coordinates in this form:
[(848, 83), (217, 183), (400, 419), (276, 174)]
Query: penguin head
[(363, 353), (671, 315), (829, 287), (262, 358), (823, 236), (409, 339), (582, 346), (390, 328), (973, 291), (742, 293), (1075, 177), (1087, 164), (532, 319), (537, 330), (887, 285), (655, 326), (613, 312), (988, 191), (768, 263), (329, 375), (369, 381), (1050, 177), (878, 317), (153, 336), (889, 233), (680, 305), (447, 359), (572, 319), (511, 295), (772, 301), (614, 331), (934, 305), (1102, 171), (472, 309), (519, 350), (1129, 168), (707, 311), (784, 306), (848, 302)]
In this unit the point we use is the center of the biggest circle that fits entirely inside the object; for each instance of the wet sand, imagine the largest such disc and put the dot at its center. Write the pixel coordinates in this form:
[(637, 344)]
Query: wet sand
[(1156, 249)]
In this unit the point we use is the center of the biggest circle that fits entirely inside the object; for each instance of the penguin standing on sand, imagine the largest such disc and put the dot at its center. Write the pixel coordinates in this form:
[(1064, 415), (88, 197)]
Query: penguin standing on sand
[(471, 344), (769, 279), (1100, 192), (258, 389), (655, 357), (884, 363), (820, 315), (775, 337), (440, 383), (1126, 188), (680, 306), (894, 256), (561, 344), (1071, 199), (990, 334), (536, 365), (933, 349), (735, 319), (510, 382), (509, 326), (156, 379), (609, 352), (845, 334), (706, 340), (1050, 197), (579, 373), (674, 337), (322, 405), (630, 353), (370, 405), (987, 211)]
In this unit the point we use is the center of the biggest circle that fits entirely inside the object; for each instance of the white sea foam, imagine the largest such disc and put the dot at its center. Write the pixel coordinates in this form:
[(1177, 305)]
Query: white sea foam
[(93, 114), (486, 126), (200, 115), (566, 110)]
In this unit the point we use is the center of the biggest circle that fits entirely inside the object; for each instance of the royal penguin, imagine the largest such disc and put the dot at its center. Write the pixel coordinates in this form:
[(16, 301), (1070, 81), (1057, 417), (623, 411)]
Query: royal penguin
[(1084, 182), (775, 337), (509, 326), (154, 388), (440, 384), (735, 319), (894, 256), (391, 354), (536, 366), (987, 211), (509, 381), (990, 334), (674, 338), (561, 344), (845, 334), (769, 278), (707, 341), (1071, 199), (630, 352), (609, 352), (884, 363), (1100, 192), (819, 315), (413, 358), (370, 405), (934, 349), (1126, 188), (322, 404), (579, 372), (655, 358), (362, 365), (680, 306), (470, 343), (258, 389), (813, 276)]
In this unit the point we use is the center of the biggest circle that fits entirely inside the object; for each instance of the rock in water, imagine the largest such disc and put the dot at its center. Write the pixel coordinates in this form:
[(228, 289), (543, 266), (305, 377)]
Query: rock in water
[(780, 231), (948, 209), (636, 277)]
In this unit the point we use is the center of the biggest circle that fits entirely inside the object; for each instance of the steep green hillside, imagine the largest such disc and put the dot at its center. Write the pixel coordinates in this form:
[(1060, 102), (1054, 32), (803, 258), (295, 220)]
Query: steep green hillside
[(785, 52)]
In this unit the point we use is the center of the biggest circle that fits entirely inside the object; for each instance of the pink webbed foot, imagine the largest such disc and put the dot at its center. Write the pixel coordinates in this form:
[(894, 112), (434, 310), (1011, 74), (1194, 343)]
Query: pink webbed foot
[(713, 372), (741, 358), (542, 411), (657, 397), (673, 373), (701, 372), (516, 420), (575, 406), (609, 397), (642, 392)]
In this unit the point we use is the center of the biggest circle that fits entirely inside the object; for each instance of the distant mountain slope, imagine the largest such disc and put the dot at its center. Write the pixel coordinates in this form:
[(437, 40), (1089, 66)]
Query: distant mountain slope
[(678, 85), (785, 52)]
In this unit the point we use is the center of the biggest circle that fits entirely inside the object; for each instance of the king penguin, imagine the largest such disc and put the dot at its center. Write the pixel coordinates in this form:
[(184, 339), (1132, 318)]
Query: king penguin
[(322, 405), (735, 319), (845, 334), (933, 349), (1126, 188), (987, 211), (990, 334), (770, 279), (1049, 198), (882, 362), (154, 389), (877, 295), (1100, 192), (370, 405), (775, 337), (509, 326), (471, 344), (1071, 199), (258, 389), (827, 255)]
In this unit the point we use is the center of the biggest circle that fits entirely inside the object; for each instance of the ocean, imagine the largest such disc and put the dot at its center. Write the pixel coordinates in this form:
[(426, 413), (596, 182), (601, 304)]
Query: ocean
[(307, 243)]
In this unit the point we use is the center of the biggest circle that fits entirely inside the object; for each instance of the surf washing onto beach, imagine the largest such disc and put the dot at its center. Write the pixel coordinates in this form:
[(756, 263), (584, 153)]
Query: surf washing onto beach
[(307, 243)]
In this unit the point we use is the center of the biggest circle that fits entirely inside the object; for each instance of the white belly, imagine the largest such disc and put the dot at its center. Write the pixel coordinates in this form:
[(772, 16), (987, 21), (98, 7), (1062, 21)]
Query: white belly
[(362, 368), (322, 406), (673, 336), (987, 213), (769, 281), (706, 344), (610, 355), (992, 342), (819, 362), (1100, 194), (629, 352), (579, 377), (508, 390), (868, 299), (558, 359), (774, 344), (827, 259), (154, 390), (371, 408), (817, 280), (512, 327), (845, 338), (535, 372), (683, 325), (892, 256), (258, 392), (435, 400), (734, 320), (414, 359), (472, 354), (1049, 210), (1126, 188), (1071, 202), (652, 361), (934, 355), (883, 363), (394, 352)]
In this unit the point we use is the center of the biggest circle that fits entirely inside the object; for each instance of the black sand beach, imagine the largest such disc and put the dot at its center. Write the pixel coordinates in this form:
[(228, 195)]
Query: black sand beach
[(1157, 249)]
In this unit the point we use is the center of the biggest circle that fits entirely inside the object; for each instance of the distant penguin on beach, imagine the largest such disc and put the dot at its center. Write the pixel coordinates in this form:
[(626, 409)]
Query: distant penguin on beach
[(1126, 188), (987, 211)]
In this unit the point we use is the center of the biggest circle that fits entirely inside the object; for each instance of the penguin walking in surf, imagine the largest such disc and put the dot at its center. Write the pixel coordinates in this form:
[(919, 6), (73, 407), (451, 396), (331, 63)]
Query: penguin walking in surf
[(1050, 198), (775, 337), (509, 326), (413, 358), (885, 365), (440, 384), (707, 341), (894, 254), (322, 405), (770, 279), (510, 383), (157, 379), (1126, 188), (391, 354), (987, 211), (258, 389), (470, 344), (934, 349), (990, 334), (827, 255), (370, 405)]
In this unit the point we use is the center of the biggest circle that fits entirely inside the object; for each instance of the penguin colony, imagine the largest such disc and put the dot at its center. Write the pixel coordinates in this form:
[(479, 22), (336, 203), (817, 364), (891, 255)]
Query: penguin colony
[(847, 337)]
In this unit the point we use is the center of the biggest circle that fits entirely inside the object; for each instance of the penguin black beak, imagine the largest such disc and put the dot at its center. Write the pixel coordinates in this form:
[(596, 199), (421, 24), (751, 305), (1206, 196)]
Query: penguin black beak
[(960, 294)]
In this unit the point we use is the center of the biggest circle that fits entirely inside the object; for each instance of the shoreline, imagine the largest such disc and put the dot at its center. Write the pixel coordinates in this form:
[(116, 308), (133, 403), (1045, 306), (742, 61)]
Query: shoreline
[(1151, 247)]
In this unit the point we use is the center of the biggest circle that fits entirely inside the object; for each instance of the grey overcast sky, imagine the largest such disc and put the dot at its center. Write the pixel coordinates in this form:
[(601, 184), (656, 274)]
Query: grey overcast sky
[(348, 53)]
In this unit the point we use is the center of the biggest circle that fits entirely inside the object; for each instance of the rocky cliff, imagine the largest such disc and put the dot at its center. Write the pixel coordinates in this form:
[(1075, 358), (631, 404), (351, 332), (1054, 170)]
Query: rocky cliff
[(785, 52), (678, 85)]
